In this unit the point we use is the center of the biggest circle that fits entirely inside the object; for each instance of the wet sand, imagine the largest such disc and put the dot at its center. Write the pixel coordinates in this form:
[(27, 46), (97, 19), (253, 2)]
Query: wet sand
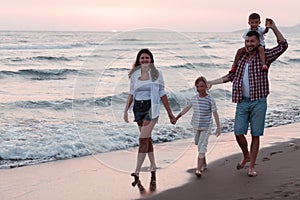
[(107, 176)]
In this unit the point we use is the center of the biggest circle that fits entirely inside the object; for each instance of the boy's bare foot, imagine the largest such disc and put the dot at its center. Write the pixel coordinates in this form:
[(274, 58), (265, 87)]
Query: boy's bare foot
[(198, 173), (265, 68), (203, 168), (233, 69)]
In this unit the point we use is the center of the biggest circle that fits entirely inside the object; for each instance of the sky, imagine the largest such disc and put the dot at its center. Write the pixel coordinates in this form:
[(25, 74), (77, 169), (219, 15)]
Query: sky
[(126, 15)]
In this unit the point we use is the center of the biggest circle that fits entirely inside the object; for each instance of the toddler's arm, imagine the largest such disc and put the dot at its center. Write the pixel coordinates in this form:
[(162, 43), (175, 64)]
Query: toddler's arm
[(266, 30)]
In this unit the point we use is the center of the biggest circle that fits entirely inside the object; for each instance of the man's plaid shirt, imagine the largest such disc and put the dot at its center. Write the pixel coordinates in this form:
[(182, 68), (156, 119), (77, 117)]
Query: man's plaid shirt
[(258, 79)]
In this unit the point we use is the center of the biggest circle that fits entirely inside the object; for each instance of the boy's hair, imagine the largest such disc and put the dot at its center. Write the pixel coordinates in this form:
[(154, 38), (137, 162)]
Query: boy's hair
[(253, 16), (201, 78)]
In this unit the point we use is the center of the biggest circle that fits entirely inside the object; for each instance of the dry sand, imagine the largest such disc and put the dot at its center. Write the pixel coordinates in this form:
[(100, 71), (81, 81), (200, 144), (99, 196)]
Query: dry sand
[(106, 176)]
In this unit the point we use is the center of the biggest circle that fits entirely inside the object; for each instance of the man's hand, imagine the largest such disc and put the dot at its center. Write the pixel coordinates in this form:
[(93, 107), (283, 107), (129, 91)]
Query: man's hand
[(209, 84)]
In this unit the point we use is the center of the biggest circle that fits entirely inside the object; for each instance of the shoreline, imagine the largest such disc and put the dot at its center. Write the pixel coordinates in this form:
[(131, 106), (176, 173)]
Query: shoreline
[(15, 163), (90, 178)]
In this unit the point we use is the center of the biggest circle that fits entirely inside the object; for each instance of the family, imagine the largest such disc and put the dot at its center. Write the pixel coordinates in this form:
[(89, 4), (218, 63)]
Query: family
[(250, 88)]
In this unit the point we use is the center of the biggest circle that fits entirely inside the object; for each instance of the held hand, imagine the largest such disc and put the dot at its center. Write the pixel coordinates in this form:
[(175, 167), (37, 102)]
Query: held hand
[(172, 118), (173, 122), (126, 117)]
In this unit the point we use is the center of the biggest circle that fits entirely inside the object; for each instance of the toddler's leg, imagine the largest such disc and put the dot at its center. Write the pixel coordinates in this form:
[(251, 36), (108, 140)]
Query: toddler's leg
[(263, 58), (238, 55)]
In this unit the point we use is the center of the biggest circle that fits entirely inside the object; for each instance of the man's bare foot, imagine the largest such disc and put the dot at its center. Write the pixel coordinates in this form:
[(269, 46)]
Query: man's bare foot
[(242, 164), (252, 172)]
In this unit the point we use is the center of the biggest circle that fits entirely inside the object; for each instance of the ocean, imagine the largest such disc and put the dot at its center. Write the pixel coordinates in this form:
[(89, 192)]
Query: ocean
[(63, 93)]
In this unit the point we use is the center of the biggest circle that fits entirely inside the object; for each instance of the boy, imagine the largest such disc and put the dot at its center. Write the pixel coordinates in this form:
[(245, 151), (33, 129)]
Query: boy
[(254, 22), (204, 107)]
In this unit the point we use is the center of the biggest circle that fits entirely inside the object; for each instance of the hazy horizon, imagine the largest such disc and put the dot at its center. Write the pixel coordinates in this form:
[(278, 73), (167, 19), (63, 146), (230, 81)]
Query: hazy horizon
[(117, 15)]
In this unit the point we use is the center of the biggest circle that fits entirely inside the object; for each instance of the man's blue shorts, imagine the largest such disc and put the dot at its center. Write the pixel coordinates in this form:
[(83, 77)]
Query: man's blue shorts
[(253, 112)]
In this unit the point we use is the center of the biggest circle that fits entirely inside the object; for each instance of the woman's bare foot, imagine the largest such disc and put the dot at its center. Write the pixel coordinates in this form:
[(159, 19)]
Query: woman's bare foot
[(152, 186), (136, 179)]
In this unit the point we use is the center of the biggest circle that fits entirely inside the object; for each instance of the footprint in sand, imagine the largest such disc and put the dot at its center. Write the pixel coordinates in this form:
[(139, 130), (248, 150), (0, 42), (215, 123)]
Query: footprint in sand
[(275, 152), (265, 159)]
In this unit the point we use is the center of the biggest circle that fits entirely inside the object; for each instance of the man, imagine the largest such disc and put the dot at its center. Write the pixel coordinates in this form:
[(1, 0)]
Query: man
[(249, 90)]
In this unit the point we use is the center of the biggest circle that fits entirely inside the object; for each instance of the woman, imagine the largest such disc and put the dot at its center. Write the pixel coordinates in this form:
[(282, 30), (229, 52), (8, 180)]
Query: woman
[(146, 91)]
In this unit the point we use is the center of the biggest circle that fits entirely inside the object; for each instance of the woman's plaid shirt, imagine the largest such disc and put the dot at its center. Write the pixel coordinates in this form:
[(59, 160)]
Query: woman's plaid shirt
[(258, 79)]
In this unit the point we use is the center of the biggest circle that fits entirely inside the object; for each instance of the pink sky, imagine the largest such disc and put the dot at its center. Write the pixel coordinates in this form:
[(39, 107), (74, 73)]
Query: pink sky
[(121, 15)]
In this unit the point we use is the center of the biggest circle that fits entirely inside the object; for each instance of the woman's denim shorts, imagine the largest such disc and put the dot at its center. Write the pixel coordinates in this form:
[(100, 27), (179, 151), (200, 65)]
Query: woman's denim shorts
[(142, 110)]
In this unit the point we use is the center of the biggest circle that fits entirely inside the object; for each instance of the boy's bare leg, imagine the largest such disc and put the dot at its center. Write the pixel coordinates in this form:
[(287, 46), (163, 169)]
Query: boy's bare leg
[(204, 165), (200, 164)]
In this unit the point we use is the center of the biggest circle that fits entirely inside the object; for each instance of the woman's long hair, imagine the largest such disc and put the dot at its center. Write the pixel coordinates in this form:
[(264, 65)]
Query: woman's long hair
[(137, 64)]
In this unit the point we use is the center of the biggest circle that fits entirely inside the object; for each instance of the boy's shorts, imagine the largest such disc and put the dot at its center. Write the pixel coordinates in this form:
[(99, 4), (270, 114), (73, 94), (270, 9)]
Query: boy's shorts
[(201, 139)]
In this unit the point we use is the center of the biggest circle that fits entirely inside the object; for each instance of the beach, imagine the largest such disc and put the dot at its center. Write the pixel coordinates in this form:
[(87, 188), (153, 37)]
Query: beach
[(88, 178), (62, 134), (66, 99)]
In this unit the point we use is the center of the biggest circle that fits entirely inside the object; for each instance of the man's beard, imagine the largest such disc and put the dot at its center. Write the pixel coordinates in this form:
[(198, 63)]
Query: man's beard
[(251, 49)]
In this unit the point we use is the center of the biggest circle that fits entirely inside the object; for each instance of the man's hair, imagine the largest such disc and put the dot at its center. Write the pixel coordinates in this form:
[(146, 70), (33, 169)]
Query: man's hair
[(253, 33), (253, 16)]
